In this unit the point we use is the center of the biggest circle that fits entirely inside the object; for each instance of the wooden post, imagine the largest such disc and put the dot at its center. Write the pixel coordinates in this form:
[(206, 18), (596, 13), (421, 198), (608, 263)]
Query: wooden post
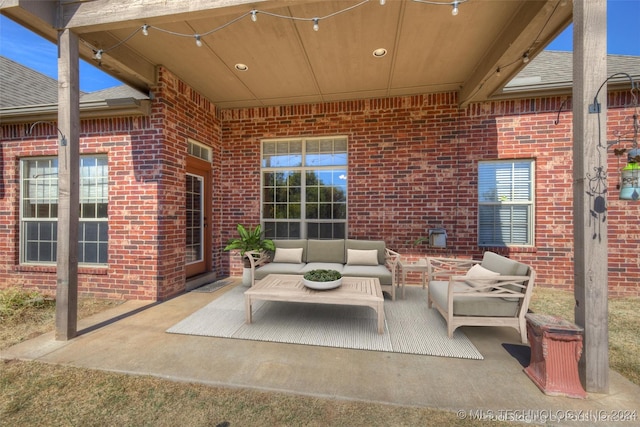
[(68, 186), (589, 157)]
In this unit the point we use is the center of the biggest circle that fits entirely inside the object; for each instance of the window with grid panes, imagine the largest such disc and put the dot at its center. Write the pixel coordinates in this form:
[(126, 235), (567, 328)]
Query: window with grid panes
[(39, 210), (506, 203), (304, 188)]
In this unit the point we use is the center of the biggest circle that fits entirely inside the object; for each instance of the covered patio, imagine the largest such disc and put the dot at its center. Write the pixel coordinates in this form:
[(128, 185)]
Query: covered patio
[(237, 61), (491, 389)]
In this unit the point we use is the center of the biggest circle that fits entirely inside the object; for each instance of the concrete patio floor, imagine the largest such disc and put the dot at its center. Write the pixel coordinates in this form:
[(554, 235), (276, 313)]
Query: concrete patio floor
[(131, 339)]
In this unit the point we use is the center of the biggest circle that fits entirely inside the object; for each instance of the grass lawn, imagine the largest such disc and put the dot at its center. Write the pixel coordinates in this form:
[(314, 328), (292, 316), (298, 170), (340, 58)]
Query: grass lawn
[(33, 393)]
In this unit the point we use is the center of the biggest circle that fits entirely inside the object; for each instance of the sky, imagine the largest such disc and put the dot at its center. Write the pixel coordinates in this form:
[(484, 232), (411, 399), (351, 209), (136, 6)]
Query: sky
[(29, 49)]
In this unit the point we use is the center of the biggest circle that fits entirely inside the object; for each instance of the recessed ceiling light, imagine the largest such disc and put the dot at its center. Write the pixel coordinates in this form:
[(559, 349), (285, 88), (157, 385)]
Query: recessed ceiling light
[(241, 67), (380, 52)]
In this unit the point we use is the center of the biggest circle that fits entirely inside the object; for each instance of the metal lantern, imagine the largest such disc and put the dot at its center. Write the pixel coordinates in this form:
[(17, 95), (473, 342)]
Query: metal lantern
[(630, 174)]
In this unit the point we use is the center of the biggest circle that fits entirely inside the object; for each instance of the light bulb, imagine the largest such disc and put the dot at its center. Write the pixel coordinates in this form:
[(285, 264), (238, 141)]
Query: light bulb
[(454, 12), (254, 15), (525, 57), (145, 30), (382, 2), (198, 40), (316, 24), (98, 54)]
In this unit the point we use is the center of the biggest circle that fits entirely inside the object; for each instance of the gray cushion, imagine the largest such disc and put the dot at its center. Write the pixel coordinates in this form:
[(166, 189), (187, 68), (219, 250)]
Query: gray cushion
[(326, 251), (368, 244), (503, 265), (278, 268), (471, 306), (296, 243), (322, 266), (506, 267), (380, 271)]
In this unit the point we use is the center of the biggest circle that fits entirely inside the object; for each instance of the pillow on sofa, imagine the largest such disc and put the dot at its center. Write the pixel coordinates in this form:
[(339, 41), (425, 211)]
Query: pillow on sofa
[(478, 271), (288, 255), (362, 257)]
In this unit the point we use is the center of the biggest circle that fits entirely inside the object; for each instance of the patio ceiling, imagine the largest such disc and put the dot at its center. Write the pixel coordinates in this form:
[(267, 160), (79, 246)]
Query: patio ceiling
[(428, 49)]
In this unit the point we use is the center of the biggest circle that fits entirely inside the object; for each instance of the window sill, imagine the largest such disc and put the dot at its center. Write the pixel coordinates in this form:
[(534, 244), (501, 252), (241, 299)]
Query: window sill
[(31, 268)]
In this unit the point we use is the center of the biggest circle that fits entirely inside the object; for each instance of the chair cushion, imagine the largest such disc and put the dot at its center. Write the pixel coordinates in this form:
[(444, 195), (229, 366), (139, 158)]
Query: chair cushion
[(506, 267), (288, 255), (471, 306), (362, 257), (479, 273), (378, 245), (326, 251)]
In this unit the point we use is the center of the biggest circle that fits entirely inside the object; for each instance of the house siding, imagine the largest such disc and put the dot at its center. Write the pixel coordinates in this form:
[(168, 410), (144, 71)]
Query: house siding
[(412, 166)]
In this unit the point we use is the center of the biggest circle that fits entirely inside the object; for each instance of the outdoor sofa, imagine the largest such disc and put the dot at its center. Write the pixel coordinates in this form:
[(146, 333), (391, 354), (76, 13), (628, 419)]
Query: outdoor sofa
[(352, 258), (493, 292)]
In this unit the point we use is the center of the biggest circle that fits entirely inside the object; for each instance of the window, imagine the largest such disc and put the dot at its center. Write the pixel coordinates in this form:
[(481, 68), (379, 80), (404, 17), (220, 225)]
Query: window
[(39, 213), (505, 203), (304, 188)]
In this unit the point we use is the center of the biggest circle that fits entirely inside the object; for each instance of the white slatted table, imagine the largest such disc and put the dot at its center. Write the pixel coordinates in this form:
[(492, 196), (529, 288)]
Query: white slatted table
[(362, 291)]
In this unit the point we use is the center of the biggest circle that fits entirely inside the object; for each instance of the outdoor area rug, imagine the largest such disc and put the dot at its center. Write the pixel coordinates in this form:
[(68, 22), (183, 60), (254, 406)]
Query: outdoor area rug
[(410, 327)]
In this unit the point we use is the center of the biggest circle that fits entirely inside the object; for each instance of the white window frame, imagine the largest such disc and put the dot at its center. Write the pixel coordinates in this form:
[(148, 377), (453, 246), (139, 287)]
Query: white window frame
[(303, 169), (511, 194), (93, 199)]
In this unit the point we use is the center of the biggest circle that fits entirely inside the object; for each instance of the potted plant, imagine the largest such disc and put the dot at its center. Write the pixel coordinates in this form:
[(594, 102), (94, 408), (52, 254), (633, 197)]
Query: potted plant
[(322, 279), (250, 239)]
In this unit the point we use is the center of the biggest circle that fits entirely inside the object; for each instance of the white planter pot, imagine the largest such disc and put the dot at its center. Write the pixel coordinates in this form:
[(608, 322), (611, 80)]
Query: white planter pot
[(246, 276), (322, 286)]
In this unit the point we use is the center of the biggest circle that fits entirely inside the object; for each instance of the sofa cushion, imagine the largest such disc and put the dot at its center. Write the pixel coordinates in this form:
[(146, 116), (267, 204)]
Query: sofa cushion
[(479, 273), (378, 245), (362, 257), (380, 271), (326, 251), (294, 243), (278, 268), (322, 266), (471, 306), (288, 255)]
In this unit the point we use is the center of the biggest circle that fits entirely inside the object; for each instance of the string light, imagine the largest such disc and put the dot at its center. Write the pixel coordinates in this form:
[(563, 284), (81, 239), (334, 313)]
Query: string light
[(525, 57), (454, 4), (253, 14)]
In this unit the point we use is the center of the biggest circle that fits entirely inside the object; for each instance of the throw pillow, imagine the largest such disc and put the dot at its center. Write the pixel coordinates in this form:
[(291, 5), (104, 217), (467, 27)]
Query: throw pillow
[(480, 276), (288, 255), (362, 257)]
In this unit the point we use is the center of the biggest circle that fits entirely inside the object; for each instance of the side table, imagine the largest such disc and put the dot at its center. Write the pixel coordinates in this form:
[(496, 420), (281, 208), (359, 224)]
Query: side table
[(556, 347), (420, 266)]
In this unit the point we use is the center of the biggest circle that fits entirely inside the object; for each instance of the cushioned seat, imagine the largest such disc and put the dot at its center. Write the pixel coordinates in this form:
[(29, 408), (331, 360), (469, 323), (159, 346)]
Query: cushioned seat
[(350, 257), (493, 292)]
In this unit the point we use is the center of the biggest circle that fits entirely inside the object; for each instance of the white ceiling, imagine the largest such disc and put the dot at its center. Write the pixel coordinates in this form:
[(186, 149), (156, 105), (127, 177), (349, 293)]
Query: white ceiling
[(429, 50)]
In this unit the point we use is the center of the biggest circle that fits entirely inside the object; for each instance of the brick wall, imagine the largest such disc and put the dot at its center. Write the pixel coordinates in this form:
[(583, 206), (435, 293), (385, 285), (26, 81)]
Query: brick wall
[(413, 166), (146, 158)]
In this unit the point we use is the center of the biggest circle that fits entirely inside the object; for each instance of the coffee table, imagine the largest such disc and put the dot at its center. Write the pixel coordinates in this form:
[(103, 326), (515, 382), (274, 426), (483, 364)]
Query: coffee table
[(362, 291)]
